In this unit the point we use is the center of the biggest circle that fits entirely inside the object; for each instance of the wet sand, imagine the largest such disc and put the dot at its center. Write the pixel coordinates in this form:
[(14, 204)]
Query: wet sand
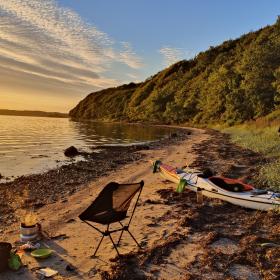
[(180, 238)]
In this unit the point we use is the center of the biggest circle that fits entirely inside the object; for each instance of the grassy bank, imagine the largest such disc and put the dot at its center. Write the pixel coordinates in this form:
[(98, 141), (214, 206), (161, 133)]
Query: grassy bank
[(261, 136)]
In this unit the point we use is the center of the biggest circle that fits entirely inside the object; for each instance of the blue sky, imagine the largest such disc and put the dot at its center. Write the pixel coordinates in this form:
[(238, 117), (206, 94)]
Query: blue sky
[(188, 25), (54, 52)]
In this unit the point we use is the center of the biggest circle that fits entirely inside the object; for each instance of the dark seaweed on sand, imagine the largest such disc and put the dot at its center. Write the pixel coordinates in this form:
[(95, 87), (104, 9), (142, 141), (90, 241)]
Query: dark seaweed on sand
[(213, 220)]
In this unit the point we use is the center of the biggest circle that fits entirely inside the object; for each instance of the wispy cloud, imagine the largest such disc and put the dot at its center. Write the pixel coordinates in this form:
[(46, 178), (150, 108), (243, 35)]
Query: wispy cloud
[(129, 57), (45, 40), (172, 55)]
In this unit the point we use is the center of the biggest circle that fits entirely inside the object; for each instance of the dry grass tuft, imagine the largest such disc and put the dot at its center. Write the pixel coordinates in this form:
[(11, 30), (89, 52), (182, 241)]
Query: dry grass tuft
[(261, 136)]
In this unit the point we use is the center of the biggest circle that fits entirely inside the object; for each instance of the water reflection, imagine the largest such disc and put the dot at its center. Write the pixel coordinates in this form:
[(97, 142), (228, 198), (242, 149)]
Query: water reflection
[(35, 144), (117, 133)]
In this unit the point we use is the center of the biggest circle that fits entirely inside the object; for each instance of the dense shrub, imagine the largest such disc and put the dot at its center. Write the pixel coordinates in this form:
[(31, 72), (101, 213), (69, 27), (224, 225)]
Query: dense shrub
[(231, 83)]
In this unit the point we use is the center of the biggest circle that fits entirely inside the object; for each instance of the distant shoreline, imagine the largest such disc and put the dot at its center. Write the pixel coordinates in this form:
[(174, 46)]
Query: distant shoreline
[(6, 112)]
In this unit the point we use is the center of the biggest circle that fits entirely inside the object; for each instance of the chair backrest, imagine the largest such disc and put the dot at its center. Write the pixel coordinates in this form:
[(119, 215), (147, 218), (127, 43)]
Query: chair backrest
[(114, 198)]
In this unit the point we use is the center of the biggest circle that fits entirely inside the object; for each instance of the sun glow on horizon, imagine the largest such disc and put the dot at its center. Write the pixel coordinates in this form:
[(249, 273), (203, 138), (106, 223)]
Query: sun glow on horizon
[(29, 101)]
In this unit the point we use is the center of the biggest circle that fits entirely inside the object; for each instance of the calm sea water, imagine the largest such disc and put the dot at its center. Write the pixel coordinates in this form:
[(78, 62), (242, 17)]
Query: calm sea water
[(35, 144)]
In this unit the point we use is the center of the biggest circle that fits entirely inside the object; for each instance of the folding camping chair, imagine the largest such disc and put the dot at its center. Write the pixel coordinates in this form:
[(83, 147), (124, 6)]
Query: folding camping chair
[(111, 206)]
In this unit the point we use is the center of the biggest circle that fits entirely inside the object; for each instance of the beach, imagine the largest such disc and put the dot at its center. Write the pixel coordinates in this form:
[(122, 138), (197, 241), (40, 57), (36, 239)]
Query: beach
[(181, 239)]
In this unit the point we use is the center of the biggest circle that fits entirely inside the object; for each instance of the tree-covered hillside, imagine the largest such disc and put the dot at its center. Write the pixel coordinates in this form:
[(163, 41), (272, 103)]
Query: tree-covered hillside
[(231, 83)]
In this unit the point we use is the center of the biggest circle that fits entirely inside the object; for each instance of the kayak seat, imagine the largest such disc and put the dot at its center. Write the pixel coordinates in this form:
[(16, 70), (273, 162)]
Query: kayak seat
[(231, 185)]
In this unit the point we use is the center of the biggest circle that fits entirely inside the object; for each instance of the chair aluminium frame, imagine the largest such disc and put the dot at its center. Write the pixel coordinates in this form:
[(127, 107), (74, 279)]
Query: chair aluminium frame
[(118, 219)]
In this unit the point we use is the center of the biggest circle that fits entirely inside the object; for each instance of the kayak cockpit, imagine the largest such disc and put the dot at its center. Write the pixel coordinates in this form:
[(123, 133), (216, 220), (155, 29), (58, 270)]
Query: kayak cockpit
[(232, 185)]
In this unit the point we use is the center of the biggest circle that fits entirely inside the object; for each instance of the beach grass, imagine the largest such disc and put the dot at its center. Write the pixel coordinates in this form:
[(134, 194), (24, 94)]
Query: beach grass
[(261, 136)]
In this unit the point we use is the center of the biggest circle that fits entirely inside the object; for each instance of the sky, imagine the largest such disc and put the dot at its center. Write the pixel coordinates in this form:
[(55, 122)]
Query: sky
[(55, 52)]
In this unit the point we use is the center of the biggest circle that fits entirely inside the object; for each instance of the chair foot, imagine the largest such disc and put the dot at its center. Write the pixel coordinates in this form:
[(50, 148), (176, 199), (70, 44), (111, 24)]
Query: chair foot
[(134, 239), (115, 259), (143, 244)]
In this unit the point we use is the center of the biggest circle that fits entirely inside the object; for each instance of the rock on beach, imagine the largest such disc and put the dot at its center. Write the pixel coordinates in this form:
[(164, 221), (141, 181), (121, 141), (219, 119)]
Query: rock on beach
[(71, 152)]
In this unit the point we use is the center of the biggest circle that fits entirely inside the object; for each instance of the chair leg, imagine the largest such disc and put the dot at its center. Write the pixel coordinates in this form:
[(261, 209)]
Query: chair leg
[(120, 238), (134, 238), (120, 234), (114, 245), (98, 246)]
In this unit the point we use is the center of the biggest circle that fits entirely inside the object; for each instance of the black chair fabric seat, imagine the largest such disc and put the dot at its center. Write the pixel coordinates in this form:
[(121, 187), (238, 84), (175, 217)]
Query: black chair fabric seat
[(105, 217), (111, 206)]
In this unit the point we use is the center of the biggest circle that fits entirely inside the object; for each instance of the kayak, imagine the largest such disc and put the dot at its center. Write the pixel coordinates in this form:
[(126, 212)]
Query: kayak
[(231, 190)]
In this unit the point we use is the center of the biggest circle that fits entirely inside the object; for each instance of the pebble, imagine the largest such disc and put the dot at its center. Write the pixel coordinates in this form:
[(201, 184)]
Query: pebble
[(225, 246), (244, 272)]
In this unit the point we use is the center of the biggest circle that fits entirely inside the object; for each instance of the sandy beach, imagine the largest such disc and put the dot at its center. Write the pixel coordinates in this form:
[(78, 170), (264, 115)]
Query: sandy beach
[(181, 239)]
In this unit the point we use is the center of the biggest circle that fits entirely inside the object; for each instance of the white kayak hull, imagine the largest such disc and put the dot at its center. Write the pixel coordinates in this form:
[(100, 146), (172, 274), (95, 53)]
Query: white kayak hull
[(247, 199)]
